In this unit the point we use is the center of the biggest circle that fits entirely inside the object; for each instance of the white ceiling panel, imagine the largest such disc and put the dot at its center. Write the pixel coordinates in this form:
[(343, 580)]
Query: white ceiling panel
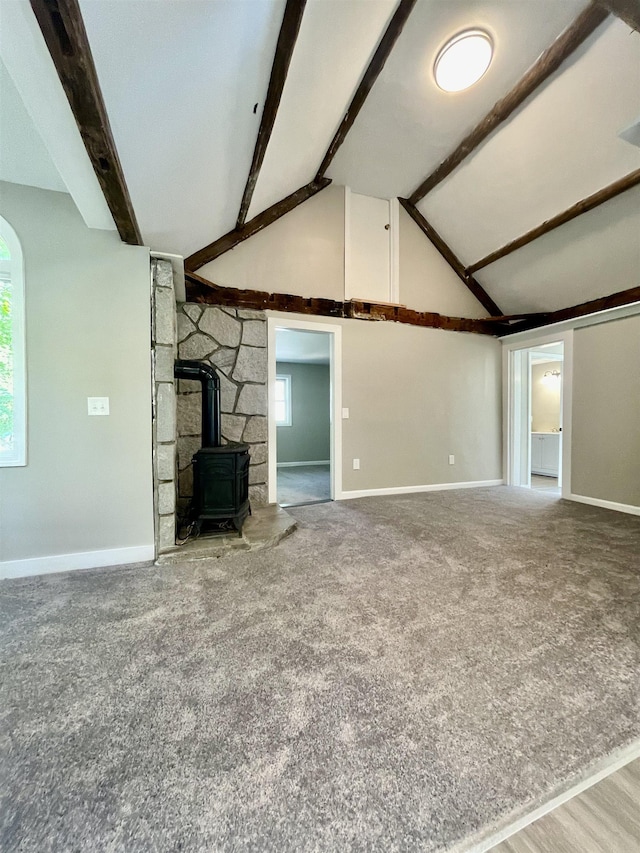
[(560, 148), (334, 46), (180, 79), (28, 63), (303, 347), (591, 256), (408, 125), (24, 158)]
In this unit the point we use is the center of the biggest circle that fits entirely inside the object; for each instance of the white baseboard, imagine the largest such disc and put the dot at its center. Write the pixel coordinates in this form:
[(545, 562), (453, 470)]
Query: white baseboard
[(300, 464), (70, 562), (407, 490), (628, 508)]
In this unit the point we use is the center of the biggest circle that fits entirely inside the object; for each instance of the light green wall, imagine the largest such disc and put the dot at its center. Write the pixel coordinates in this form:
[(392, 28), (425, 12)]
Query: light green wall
[(88, 482), (605, 449), (308, 439)]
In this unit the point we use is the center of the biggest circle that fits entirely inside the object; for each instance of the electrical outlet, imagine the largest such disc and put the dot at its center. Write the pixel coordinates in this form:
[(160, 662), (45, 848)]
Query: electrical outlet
[(452, 459), (98, 405), (356, 464)]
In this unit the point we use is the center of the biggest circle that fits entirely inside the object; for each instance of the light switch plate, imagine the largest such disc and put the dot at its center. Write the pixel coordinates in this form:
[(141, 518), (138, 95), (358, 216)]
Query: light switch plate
[(345, 414), (98, 405), (356, 464)]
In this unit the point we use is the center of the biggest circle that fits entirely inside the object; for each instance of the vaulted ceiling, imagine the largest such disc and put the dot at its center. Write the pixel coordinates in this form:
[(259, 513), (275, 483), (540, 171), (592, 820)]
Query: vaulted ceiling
[(184, 83)]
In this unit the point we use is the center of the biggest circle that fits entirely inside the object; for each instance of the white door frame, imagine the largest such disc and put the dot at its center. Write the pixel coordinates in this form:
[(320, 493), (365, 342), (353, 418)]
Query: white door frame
[(335, 409), (512, 398)]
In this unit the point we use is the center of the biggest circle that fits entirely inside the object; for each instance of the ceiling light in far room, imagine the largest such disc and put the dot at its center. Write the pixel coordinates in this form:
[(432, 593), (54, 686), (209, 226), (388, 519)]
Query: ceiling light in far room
[(463, 60)]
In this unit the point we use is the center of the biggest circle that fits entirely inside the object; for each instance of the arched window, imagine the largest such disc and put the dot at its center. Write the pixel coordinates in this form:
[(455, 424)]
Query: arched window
[(12, 350)]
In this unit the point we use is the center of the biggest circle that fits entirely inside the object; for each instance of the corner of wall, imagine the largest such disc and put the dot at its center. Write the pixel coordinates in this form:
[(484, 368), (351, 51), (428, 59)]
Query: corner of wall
[(164, 349)]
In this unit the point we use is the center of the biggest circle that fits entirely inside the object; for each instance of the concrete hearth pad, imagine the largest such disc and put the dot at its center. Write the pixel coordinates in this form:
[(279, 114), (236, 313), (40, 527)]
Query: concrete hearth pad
[(264, 528)]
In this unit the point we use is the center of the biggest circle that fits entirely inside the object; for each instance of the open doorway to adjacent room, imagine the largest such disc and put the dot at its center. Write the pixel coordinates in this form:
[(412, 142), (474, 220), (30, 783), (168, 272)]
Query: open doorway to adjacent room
[(545, 433), (301, 420), (537, 412)]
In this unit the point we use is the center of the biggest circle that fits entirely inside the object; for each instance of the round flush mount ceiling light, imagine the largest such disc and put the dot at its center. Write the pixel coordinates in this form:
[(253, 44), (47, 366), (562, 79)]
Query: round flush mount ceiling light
[(463, 60)]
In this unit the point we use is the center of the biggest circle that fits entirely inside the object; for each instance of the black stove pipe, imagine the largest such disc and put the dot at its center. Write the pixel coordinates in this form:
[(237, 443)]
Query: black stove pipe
[(207, 376)]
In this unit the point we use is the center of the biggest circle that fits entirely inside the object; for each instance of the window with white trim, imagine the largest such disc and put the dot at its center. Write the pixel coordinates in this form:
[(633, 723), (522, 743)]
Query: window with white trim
[(12, 350), (283, 400)]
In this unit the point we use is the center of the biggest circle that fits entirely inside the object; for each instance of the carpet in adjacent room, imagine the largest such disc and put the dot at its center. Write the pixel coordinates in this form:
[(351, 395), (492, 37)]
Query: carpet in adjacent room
[(303, 484)]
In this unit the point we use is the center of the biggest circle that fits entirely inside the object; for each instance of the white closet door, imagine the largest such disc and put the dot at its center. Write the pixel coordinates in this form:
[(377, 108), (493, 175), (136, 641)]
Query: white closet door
[(368, 248)]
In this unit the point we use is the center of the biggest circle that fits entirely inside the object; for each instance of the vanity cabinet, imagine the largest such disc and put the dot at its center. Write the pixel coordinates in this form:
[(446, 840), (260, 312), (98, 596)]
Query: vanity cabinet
[(545, 453)]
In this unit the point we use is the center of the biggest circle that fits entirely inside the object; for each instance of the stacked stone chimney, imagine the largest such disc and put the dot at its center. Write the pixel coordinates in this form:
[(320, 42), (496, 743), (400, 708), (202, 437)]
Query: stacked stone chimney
[(234, 341)]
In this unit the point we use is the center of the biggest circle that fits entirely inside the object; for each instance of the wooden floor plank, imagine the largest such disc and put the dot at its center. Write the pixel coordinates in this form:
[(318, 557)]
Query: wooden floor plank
[(603, 819), (601, 826), (621, 794), (631, 773)]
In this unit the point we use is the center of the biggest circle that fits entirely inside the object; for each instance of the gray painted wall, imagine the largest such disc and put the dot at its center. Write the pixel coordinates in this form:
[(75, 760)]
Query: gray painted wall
[(88, 482), (308, 439), (605, 450), (415, 395), (303, 253)]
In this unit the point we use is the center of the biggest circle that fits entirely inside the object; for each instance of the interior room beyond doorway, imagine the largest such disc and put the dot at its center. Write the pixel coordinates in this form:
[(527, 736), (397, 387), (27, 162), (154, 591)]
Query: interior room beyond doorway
[(546, 417), (536, 437), (303, 423)]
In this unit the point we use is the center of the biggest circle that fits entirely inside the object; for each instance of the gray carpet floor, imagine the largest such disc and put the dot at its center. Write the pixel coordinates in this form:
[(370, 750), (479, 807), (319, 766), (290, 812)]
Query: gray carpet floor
[(603, 819), (398, 674), (303, 484)]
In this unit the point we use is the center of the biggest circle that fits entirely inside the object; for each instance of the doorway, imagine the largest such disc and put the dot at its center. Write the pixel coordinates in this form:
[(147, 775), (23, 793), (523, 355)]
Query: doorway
[(545, 434), (538, 454), (303, 407)]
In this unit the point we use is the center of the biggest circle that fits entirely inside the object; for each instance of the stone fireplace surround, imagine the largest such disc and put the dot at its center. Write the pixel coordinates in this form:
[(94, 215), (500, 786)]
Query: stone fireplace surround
[(234, 341)]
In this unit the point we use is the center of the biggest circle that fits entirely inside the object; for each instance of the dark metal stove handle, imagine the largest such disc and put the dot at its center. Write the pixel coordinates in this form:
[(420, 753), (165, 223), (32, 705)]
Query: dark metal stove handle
[(207, 376)]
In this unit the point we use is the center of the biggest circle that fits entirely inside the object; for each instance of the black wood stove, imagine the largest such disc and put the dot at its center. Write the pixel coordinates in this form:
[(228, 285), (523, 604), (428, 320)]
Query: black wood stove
[(220, 472)]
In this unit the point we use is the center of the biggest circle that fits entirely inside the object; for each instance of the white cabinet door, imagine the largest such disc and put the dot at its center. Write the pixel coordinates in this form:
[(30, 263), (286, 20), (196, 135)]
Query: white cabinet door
[(550, 454), (536, 453), (545, 454), (368, 248)]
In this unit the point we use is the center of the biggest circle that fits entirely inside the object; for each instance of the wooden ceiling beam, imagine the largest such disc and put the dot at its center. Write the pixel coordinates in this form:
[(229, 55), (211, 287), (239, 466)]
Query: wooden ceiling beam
[(66, 38), (454, 262), (262, 220), (370, 76), (627, 10), (604, 303), (359, 310), (510, 318), (201, 290), (284, 51), (577, 209), (549, 62), (286, 42)]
